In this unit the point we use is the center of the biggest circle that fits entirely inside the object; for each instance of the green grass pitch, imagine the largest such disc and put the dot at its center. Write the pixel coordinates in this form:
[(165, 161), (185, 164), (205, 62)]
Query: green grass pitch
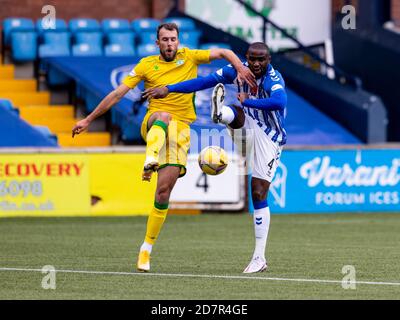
[(300, 247)]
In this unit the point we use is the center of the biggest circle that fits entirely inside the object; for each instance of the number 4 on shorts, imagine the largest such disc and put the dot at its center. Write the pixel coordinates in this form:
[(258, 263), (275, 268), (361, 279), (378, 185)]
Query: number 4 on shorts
[(271, 164)]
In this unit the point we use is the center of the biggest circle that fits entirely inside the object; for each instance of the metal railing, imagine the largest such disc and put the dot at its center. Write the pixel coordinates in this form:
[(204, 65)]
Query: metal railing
[(341, 75)]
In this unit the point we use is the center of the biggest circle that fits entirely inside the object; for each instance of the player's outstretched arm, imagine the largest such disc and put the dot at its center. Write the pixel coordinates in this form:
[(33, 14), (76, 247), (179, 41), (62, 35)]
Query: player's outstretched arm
[(277, 101), (111, 99), (188, 86), (243, 73)]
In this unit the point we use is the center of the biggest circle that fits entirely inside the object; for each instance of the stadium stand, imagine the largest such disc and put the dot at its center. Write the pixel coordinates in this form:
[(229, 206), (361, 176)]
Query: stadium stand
[(115, 25), (42, 28), (83, 25), (126, 38), (125, 42), (113, 50), (28, 119), (17, 133), (144, 25)]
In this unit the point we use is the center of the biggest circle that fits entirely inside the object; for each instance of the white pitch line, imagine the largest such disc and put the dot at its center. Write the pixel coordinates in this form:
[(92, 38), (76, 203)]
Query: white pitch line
[(210, 276)]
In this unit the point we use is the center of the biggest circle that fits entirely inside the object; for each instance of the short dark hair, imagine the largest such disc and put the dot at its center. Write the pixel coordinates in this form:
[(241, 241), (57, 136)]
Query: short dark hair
[(169, 26), (259, 46)]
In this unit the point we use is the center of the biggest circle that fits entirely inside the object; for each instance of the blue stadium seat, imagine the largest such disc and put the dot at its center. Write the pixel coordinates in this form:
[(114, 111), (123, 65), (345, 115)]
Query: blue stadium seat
[(190, 38), (145, 24), (113, 50), (123, 38), (147, 37), (147, 50), (83, 25), (16, 24), (115, 25), (53, 50), (184, 24), (92, 38), (54, 77), (23, 46), (85, 49), (215, 45), (61, 39), (59, 26)]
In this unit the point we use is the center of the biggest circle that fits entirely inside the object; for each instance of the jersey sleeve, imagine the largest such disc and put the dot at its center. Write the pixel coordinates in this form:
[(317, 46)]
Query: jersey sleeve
[(274, 83), (225, 75), (199, 56), (193, 85), (135, 76)]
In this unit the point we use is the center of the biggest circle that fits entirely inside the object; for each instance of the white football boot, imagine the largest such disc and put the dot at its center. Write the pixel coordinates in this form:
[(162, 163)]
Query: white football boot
[(257, 264), (150, 165), (143, 264), (217, 100)]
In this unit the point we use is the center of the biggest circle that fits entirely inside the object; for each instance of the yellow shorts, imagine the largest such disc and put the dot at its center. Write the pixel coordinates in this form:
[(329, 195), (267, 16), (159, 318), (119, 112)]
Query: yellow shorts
[(175, 150)]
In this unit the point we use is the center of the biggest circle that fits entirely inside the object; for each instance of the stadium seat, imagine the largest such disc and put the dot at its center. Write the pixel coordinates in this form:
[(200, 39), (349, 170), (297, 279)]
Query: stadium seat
[(146, 50), (122, 38), (85, 49), (59, 39), (190, 38), (115, 25), (112, 50), (59, 26), (16, 24), (83, 25), (145, 24), (147, 37), (91, 38), (54, 77), (215, 45), (184, 24), (23, 46), (51, 50)]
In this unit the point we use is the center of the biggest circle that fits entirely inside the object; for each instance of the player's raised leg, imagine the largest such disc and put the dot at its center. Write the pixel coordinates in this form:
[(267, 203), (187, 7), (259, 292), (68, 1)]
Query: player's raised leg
[(261, 219), (156, 137), (167, 178), (229, 115)]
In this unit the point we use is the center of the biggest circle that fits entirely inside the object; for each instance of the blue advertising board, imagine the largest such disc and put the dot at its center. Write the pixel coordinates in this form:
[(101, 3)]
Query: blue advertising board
[(318, 181)]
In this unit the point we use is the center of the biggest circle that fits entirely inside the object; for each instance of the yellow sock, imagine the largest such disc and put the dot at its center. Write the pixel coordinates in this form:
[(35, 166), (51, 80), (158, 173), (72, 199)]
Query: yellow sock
[(156, 138), (155, 222)]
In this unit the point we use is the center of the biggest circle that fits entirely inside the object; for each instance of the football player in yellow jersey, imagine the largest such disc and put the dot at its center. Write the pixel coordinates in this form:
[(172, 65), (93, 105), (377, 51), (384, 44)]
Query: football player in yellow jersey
[(165, 127)]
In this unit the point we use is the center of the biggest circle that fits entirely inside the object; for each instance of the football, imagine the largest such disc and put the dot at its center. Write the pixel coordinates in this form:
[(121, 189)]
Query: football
[(213, 160)]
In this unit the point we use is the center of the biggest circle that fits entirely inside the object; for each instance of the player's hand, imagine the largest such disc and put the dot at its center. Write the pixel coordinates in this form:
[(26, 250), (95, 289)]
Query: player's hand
[(80, 126), (242, 96), (156, 93), (245, 75)]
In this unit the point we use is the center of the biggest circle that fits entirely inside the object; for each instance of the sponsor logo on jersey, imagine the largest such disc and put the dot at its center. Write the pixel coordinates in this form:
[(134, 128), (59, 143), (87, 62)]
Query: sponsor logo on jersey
[(276, 87)]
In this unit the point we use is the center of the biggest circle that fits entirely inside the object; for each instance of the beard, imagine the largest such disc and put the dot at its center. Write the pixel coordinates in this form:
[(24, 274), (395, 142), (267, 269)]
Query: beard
[(168, 55)]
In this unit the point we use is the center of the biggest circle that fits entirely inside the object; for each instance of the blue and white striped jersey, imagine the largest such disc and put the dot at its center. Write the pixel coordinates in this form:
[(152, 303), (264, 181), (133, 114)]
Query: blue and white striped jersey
[(272, 122)]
